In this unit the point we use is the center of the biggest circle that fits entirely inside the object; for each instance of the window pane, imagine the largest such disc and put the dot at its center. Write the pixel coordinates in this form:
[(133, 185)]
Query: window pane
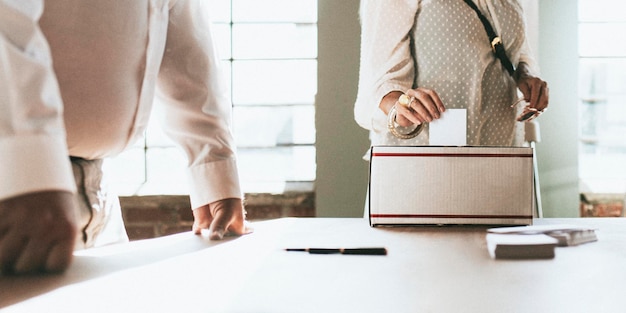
[(602, 76), (603, 123), (221, 33), (599, 40), (167, 171), (274, 82), (272, 41), (262, 169), (274, 126), (603, 105), (606, 170), (127, 170), (275, 11), (602, 87), (155, 137), (616, 116), (219, 10), (601, 10)]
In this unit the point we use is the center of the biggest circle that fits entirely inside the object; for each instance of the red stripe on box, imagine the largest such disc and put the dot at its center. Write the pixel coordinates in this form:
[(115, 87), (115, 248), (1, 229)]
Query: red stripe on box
[(448, 216), (452, 155)]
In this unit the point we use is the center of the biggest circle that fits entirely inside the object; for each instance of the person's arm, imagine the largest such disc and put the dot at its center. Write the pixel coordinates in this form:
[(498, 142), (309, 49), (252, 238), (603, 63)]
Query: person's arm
[(424, 106), (198, 117), (534, 89), (37, 228), (388, 69)]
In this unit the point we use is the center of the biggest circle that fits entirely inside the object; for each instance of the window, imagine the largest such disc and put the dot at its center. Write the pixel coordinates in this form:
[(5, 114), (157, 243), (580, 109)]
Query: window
[(269, 53), (602, 89)]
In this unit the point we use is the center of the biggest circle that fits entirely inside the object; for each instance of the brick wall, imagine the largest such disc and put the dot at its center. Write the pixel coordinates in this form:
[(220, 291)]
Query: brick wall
[(602, 205), (154, 216)]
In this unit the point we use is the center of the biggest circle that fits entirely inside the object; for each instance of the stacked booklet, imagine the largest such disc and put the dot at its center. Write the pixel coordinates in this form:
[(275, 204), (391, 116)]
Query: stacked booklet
[(535, 241)]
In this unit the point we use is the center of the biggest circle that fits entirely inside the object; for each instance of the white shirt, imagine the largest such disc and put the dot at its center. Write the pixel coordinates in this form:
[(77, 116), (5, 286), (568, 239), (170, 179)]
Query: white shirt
[(441, 45), (33, 153), (110, 57)]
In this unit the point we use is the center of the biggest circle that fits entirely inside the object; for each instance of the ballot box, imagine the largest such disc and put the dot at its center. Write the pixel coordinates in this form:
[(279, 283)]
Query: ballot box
[(435, 185)]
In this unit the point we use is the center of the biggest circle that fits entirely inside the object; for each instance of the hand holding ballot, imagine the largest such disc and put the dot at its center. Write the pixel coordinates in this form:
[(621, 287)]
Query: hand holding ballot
[(423, 106)]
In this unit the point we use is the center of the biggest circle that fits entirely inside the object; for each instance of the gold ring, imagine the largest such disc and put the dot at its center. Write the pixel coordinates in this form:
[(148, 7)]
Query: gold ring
[(391, 125), (405, 101)]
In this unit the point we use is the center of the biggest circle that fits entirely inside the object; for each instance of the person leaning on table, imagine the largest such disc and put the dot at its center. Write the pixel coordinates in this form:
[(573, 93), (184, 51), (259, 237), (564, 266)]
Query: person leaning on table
[(109, 58), (438, 53)]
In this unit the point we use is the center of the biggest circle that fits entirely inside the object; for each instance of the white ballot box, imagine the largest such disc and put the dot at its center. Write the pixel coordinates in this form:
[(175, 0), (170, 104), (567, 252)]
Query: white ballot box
[(426, 185)]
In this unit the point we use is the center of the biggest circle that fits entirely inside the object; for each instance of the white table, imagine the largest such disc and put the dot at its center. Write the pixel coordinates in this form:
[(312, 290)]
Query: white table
[(427, 269)]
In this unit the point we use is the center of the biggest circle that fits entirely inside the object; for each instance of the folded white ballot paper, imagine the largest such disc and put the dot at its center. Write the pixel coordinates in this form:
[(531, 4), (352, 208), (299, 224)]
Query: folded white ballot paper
[(450, 129), (567, 235)]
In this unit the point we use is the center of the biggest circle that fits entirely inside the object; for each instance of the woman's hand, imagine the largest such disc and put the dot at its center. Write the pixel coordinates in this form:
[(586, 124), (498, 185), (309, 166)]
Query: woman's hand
[(534, 89), (424, 105)]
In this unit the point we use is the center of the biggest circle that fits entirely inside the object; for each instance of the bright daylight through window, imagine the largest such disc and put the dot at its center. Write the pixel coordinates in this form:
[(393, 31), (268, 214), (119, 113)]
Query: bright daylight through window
[(269, 53), (602, 89)]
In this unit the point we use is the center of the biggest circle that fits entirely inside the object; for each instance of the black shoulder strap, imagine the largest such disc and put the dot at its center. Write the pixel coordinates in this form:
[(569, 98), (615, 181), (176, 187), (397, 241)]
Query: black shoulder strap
[(496, 42)]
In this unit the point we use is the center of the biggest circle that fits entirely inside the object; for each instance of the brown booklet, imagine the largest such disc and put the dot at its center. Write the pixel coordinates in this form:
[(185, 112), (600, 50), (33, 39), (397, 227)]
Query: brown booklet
[(535, 241), (515, 246)]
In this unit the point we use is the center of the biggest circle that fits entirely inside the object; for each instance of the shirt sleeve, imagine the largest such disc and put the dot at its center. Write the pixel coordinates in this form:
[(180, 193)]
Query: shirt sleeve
[(386, 62), (197, 108), (516, 40), (33, 150), (525, 54)]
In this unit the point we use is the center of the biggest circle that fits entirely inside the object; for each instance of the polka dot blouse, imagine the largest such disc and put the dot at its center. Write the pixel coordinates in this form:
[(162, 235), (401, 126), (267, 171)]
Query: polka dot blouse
[(441, 45)]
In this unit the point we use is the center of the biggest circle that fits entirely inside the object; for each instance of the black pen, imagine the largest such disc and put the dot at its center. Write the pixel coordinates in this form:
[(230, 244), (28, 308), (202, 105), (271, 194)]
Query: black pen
[(356, 251)]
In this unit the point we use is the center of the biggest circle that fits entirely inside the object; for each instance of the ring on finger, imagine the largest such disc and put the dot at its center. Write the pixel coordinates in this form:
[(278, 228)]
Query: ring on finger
[(405, 100)]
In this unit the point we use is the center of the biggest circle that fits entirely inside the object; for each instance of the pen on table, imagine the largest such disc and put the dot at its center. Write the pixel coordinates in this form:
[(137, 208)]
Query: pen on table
[(356, 251)]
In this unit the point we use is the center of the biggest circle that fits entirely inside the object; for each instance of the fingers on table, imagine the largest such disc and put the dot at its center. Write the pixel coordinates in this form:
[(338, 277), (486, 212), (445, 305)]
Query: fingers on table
[(22, 255), (10, 249), (59, 257), (225, 223)]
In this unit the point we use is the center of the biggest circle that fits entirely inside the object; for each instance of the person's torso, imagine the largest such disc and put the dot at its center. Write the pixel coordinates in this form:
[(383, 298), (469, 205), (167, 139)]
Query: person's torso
[(453, 56), (100, 53)]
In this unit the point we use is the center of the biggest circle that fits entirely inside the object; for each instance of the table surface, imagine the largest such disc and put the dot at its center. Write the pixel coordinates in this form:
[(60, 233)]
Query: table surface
[(427, 269)]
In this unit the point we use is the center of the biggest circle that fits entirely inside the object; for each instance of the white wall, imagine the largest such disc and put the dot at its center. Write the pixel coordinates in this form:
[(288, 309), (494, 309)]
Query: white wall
[(341, 172), (558, 151)]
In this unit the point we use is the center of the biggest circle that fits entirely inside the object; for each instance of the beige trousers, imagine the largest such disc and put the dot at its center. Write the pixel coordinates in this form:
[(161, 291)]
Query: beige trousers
[(99, 213)]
